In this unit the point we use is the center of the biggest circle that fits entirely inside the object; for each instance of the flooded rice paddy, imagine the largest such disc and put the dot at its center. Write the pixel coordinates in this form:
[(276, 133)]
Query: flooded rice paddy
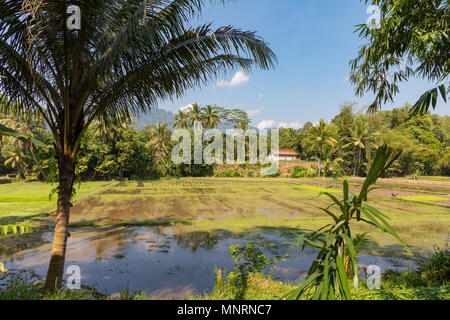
[(167, 265), (167, 237)]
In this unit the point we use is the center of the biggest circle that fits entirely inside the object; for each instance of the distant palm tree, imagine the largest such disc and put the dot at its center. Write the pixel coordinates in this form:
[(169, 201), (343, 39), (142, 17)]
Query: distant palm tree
[(322, 138), (196, 115), (159, 140), (181, 120), (211, 117), (127, 56), (243, 124), (17, 159), (363, 138)]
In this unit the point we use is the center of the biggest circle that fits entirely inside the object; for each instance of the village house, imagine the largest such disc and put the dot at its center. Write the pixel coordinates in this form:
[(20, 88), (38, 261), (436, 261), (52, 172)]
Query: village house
[(283, 155)]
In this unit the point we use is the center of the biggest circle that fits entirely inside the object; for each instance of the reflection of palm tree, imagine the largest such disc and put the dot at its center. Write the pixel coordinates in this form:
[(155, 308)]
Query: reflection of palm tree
[(196, 240), (211, 117), (181, 120), (362, 138)]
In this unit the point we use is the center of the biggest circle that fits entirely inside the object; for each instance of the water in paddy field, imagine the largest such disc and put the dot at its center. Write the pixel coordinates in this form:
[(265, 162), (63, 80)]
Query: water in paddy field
[(165, 262)]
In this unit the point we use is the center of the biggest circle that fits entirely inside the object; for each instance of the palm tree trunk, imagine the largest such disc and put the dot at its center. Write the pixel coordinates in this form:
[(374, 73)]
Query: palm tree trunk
[(56, 268)]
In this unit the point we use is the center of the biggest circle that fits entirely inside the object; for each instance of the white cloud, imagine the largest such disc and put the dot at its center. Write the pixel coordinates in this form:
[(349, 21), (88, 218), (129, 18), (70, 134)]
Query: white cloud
[(266, 124), (294, 125), (254, 112), (260, 96), (239, 79), (186, 108)]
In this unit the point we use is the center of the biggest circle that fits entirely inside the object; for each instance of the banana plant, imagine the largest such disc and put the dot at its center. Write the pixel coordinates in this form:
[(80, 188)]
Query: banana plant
[(327, 277)]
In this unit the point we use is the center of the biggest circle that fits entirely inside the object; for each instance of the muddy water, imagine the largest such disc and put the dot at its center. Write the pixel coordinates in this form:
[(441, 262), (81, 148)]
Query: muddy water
[(164, 263)]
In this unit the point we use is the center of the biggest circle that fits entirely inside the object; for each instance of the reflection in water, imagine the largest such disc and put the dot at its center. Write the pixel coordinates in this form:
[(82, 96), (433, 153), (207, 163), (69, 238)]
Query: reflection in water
[(164, 262), (198, 240)]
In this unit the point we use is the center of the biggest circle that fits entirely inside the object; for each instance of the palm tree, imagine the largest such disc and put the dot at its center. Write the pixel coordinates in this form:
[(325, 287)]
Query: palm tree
[(160, 139), (125, 58), (195, 115), (17, 159), (211, 117), (322, 138), (181, 120), (362, 138), (243, 124)]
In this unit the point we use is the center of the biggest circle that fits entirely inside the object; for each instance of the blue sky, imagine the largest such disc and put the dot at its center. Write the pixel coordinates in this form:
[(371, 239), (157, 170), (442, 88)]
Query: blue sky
[(314, 42)]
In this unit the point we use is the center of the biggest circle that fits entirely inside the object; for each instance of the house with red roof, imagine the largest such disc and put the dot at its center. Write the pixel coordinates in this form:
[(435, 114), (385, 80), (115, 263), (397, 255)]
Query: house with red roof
[(283, 155)]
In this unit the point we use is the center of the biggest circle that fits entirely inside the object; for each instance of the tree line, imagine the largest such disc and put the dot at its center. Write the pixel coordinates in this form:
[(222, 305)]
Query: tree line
[(343, 146)]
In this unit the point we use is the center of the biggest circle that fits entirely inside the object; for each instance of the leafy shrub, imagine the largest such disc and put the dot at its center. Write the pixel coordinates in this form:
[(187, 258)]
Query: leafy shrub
[(231, 173), (302, 172), (5, 180), (31, 179), (437, 269), (248, 260)]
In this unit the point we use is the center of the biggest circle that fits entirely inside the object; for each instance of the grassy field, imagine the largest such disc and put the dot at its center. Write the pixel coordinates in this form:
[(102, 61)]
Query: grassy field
[(420, 214)]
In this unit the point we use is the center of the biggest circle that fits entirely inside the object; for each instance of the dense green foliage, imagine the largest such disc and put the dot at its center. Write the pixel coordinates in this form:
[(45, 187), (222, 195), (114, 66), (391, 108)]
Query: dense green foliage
[(412, 40), (344, 146), (352, 138)]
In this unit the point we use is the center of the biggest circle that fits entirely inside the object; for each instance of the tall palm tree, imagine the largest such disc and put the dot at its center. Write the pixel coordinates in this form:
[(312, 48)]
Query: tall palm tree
[(211, 117), (160, 139), (181, 120), (362, 138), (195, 115), (322, 138), (125, 58)]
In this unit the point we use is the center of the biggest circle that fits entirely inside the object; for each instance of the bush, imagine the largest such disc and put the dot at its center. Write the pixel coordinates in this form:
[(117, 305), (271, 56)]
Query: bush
[(302, 172), (248, 260), (232, 173), (5, 180), (437, 269)]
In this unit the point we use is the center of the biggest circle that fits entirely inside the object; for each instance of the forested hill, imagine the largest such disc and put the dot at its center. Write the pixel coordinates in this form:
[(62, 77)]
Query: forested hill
[(154, 117), (157, 116)]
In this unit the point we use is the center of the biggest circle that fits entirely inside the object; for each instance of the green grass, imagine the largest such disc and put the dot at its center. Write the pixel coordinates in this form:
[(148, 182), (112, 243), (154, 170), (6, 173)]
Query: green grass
[(236, 205), (261, 287), (32, 203), (423, 198)]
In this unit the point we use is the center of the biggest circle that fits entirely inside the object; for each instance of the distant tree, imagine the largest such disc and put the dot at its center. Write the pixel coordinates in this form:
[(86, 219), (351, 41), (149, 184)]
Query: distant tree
[(320, 137), (211, 117), (19, 160), (181, 120), (362, 138), (413, 41), (195, 115)]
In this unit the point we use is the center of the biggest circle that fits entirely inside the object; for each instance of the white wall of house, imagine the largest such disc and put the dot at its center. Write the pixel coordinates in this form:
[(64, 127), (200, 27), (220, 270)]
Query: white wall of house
[(281, 158)]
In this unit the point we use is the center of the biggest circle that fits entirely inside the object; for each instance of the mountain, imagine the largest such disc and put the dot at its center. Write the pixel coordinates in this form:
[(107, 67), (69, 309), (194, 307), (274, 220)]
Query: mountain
[(154, 117), (163, 116)]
